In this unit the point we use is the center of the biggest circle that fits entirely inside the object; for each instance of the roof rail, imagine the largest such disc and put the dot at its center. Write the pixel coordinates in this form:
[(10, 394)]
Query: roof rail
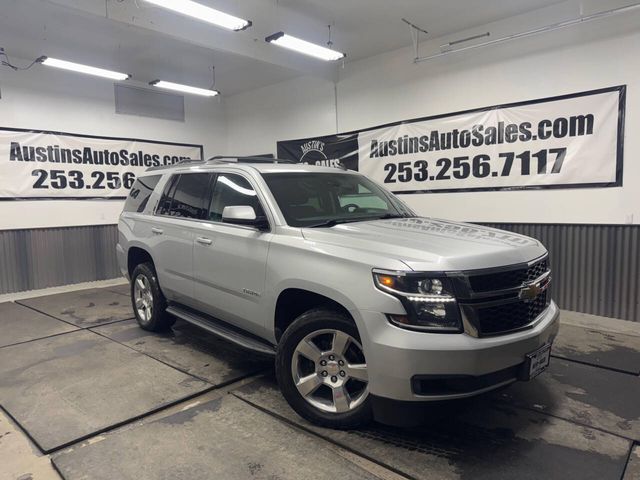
[(222, 159), (177, 164), (247, 159)]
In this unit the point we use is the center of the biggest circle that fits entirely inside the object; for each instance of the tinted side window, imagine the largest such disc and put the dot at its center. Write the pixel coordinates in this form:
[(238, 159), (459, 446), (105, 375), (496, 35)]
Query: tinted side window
[(189, 196), (140, 192), (232, 190), (167, 195)]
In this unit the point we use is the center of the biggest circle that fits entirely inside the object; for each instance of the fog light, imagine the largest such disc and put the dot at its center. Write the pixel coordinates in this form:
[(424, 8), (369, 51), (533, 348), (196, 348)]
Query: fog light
[(436, 309)]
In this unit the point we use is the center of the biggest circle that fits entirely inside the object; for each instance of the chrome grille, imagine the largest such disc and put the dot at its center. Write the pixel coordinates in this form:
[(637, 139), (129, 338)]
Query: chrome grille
[(491, 303), (511, 316), (507, 279)]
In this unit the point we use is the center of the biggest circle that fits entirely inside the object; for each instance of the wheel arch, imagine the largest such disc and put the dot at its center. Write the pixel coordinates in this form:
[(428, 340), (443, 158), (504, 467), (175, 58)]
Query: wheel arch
[(137, 254), (296, 298)]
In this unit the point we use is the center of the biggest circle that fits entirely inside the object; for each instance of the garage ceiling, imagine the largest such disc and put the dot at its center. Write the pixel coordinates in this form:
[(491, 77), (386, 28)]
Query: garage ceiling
[(369, 27), (149, 43)]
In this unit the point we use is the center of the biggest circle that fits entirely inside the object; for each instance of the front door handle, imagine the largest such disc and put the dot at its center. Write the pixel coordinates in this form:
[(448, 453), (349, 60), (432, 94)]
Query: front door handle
[(204, 241), (157, 231)]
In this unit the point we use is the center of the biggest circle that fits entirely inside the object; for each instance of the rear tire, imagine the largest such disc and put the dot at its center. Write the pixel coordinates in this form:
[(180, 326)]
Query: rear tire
[(321, 370), (149, 304)]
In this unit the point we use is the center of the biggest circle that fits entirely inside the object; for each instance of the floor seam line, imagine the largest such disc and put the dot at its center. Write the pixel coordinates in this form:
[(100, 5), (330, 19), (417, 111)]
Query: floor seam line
[(573, 422), (626, 464), (55, 467), (326, 439), (602, 367), (40, 338), (127, 421), (23, 429), (45, 313), (603, 330), (139, 417), (219, 385), (107, 323), (148, 356), (69, 323), (119, 293)]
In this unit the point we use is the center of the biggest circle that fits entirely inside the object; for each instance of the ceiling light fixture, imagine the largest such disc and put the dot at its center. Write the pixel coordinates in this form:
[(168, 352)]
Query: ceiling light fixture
[(302, 46), (184, 88), (80, 68), (204, 13)]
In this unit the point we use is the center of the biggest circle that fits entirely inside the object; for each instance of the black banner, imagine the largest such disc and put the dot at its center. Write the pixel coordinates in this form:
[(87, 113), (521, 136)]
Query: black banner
[(326, 151)]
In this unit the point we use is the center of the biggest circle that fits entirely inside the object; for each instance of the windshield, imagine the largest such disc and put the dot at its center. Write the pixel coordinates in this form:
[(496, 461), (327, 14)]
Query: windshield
[(326, 199)]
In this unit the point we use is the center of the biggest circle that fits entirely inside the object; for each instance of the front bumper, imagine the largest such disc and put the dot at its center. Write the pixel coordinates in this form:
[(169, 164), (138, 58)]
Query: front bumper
[(396, 357)]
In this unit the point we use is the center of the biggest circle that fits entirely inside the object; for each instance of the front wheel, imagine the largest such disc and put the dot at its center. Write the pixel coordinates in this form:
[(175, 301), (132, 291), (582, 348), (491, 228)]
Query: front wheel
[(322, 371)]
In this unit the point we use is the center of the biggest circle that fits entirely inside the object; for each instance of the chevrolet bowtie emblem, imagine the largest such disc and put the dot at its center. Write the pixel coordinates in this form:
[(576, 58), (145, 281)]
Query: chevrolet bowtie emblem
[(530, 292)]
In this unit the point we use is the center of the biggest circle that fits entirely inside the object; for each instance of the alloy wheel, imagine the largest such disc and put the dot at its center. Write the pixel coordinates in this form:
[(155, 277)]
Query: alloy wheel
[(143, 298), (330, 371)]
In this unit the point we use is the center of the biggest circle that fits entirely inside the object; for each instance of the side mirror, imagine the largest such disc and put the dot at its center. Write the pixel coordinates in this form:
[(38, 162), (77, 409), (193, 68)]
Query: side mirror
[(244, 215)]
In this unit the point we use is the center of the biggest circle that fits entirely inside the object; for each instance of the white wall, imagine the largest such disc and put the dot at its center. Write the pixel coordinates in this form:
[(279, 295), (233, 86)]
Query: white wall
[(297, 108), (381, 89), (389, 87), (47, 99)]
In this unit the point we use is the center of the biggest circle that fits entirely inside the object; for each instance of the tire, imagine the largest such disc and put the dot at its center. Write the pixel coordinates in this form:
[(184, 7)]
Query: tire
[(324, 400), (147, 300)]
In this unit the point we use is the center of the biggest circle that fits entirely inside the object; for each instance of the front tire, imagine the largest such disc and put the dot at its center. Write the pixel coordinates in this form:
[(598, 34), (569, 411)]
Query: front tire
[(322, 372), (149, 304)]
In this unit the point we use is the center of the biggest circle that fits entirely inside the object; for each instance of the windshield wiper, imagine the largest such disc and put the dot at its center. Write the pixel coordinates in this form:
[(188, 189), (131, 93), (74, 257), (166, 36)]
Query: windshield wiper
[(333, 222), (392, 215)]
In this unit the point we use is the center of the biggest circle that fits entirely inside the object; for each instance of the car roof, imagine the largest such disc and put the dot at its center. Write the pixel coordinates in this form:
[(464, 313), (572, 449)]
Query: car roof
[(245, 166)]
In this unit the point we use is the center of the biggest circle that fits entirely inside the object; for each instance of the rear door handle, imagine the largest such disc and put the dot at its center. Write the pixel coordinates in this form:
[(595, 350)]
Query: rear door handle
[(157, 231), (204, 241)]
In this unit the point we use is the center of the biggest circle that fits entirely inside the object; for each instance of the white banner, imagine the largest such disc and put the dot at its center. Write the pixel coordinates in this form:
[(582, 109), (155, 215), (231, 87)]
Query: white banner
[(568, 141), (556, 143), (38, 164)]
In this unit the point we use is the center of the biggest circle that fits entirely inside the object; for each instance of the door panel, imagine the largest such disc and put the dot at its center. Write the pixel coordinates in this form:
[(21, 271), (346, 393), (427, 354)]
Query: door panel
[(173, 256), (230, 260), (172, 234), (230, 272)]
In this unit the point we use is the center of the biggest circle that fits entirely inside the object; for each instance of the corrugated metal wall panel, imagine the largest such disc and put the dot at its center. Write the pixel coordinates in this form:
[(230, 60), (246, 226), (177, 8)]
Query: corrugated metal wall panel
[(48, 257), (596, 268)]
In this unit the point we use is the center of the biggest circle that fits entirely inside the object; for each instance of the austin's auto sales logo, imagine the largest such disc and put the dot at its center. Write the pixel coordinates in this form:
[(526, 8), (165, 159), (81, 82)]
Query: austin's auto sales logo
[(312, 146), (313, 152)]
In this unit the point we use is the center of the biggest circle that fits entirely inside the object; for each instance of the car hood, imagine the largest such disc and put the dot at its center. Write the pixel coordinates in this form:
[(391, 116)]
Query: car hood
[(428, 244)]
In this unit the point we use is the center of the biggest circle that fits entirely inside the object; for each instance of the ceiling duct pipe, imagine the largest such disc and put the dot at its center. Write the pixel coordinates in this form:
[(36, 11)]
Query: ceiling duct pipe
[(547, 28), (447, 46)]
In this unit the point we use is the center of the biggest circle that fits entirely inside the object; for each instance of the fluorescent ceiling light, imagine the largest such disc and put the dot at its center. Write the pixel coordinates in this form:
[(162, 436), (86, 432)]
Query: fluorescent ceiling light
[(184, 88), (78, 67), (292, 43), (204, 13)]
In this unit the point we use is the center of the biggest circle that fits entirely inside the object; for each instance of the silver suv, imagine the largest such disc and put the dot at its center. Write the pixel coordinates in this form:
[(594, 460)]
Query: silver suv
[(369, 309)]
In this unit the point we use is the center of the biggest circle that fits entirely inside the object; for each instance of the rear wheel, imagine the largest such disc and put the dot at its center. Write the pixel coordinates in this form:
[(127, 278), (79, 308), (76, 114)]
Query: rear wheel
[(322, 371), (149, 304)]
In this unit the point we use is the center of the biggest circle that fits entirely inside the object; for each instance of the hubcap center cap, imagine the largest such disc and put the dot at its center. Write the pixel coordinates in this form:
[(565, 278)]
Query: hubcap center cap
[(333, 368)]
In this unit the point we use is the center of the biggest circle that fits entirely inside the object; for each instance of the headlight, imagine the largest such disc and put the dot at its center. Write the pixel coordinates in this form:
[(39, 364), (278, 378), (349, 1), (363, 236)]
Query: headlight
[(428, 300)]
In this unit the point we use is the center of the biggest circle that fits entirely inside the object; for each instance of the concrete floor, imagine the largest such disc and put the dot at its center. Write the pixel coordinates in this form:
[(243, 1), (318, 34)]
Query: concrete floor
[(86, 394)]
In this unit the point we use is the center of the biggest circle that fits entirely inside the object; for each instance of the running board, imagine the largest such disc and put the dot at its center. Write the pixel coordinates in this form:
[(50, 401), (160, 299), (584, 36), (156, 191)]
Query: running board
[(221, 330)]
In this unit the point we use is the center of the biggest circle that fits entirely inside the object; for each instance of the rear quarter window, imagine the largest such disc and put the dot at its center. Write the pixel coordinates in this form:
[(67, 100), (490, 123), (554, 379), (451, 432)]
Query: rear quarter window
[(140, 193)]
